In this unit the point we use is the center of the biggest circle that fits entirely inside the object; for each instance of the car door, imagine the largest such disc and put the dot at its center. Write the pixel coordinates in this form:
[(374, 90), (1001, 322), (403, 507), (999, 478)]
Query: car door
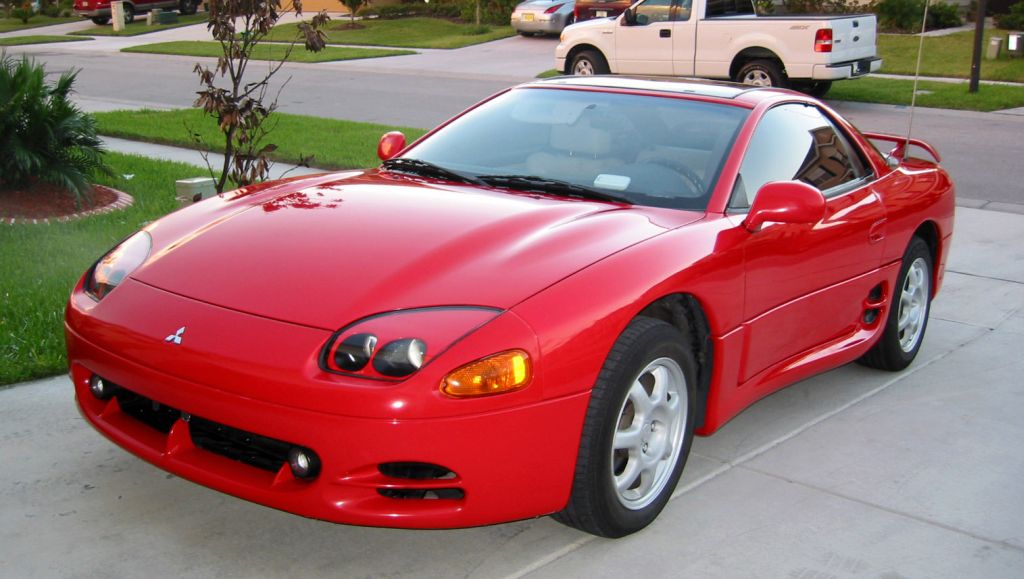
[(645, 47), (806, 285)]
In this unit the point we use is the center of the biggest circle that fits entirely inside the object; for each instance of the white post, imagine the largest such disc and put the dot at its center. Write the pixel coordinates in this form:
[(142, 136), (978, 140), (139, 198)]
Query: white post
[(117, 15)]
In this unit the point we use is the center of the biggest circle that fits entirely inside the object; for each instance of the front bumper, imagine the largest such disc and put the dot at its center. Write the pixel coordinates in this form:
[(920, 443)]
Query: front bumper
[(505, 463)]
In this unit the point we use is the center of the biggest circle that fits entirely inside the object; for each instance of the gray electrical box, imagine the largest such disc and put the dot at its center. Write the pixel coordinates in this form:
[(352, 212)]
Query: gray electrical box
[(995, 44), (1015, 44), (195, 189)]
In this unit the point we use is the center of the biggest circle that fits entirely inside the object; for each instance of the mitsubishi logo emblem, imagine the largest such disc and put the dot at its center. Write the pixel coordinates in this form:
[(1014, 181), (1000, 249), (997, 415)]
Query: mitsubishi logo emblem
[(175, 338)]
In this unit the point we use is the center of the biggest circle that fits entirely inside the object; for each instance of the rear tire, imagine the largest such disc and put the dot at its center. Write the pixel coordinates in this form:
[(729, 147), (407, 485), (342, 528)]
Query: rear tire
[(187, 7), (589, 63), (101, 20), (762, 72), (637, 432), (129, 14), (815, 88), (908, 314)]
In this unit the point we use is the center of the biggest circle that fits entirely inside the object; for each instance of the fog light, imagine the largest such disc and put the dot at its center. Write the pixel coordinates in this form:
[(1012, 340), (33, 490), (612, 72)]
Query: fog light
[(400, 357), (100, 388), (304, 463)]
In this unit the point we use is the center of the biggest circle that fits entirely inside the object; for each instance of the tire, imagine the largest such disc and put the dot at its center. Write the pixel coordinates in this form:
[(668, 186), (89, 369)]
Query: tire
[(762, 72), (815, 88), (588, 63), (525, 34), (908, 315), (620, 491), (187, 7), (129, 13), (101, 20)]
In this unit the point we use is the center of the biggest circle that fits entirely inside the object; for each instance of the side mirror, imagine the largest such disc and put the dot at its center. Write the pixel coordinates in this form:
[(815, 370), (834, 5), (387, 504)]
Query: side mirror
[(785, 202), (629, 17), (390, 145)]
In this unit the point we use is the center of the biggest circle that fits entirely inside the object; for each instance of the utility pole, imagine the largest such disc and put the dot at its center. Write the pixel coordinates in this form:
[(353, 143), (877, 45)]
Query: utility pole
[(979, 36)]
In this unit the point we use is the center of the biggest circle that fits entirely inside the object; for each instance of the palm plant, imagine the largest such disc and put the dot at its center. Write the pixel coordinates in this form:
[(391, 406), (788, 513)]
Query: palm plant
[(43, 135)]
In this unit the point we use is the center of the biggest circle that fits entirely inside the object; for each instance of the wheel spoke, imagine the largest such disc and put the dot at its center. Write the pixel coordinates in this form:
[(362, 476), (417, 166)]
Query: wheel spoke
[(629, 438), (641, 401), (628, 476)]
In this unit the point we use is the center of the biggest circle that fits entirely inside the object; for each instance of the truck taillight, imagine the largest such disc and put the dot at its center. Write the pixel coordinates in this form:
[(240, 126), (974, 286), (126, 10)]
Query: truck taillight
[(823, 40)]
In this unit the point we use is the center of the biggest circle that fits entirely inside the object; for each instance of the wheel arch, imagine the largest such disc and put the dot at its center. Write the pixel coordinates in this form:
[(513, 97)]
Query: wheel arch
[(929, 232), (571, 55), (685, 312), (753, 53)]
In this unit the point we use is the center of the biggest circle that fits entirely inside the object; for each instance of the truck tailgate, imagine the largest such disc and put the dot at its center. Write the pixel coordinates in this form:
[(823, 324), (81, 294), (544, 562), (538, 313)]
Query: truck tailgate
[(853, 37)]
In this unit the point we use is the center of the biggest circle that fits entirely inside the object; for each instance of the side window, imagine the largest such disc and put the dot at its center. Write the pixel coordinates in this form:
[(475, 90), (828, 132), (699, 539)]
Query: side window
[(654, 11), (728, 8), (797, 143)]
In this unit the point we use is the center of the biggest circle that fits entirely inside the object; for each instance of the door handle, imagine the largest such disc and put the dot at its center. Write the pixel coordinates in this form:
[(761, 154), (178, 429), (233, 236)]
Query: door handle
[(665, 32)]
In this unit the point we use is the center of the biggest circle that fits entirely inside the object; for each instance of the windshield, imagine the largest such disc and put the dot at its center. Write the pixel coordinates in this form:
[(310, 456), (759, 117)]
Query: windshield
[(643, 150)]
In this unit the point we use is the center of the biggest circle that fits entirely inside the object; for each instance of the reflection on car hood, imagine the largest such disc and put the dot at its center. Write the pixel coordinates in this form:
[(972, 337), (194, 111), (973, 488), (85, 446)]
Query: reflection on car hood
[(323, 255)]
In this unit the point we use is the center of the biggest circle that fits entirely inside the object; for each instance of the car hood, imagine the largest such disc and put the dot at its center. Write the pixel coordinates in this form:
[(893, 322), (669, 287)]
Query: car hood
[(326, 252)]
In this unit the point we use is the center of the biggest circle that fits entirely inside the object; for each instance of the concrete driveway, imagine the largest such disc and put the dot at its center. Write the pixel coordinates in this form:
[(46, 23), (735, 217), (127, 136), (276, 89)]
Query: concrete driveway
[(855, 473)]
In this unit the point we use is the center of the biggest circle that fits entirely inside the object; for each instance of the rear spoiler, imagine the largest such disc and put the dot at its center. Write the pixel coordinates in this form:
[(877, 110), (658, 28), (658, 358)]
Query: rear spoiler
[(899, 151)]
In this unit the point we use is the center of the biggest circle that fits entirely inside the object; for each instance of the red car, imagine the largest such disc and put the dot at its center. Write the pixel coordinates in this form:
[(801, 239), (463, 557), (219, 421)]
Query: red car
[(589, 9), (99, 10), (529, 311)]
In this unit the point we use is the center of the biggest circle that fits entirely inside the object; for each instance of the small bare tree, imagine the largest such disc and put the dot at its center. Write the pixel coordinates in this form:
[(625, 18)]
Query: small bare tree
[(240, 108), (353, 7)]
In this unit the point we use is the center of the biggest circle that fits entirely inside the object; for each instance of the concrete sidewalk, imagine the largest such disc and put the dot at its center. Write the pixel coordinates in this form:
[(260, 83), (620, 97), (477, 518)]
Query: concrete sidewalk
[(854, 473)]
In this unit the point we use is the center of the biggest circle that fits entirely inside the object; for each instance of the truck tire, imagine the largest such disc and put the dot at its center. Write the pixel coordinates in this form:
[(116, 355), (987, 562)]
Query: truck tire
[(188, 7), (101, 20), (762, 72), (815, 88), (588, 63)]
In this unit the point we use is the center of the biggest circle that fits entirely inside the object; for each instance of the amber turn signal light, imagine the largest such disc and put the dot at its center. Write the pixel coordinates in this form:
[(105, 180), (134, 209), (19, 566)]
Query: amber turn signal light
[(497, 374)]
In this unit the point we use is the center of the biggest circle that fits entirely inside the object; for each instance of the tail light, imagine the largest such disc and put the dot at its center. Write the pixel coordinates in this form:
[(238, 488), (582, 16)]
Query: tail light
[(554, 9), (576, 13), (823, 40)]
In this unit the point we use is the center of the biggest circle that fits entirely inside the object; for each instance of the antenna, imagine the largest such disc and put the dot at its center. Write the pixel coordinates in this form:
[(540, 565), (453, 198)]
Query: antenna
[(917, 75)]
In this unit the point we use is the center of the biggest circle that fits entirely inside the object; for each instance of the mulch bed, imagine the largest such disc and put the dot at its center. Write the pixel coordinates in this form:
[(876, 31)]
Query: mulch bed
[(41, 202)]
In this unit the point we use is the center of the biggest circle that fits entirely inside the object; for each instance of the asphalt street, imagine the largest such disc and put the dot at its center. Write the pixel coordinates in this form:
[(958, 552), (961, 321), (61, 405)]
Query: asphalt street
[(853, 473)]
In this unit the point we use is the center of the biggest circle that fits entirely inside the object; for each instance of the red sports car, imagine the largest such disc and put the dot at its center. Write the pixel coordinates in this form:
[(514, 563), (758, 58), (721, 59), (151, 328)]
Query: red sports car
[(529, 311)]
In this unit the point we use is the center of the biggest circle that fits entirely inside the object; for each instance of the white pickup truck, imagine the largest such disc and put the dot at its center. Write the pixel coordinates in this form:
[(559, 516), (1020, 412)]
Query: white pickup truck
[(722, 39)]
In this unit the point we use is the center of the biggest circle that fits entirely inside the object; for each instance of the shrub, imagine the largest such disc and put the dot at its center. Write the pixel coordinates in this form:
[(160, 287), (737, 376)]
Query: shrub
[(491, 11), (23, 12), (905, 15), (1014, 20), (43, 134)]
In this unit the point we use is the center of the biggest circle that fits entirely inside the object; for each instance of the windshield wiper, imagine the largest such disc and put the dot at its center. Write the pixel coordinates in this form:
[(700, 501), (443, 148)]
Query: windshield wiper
[(544, 185), (427, 169)]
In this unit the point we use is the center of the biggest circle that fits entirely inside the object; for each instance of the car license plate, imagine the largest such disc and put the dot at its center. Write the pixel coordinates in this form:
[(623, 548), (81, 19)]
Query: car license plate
[(601, 13), (528, 17)]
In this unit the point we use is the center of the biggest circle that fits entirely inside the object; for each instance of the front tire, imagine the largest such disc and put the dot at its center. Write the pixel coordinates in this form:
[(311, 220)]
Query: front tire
[(637, 433), (762, 72), (908, 315), (588, 63)]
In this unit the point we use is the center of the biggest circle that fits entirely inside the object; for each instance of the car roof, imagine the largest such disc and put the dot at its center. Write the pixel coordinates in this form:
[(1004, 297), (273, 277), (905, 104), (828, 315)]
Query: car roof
[(745, 94)]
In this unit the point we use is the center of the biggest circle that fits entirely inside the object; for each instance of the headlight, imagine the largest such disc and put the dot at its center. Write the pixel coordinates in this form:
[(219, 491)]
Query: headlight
[(399, 343), (113, 267)]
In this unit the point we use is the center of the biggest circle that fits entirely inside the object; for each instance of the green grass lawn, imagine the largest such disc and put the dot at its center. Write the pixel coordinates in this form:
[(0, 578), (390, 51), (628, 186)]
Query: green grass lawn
[(402, 32), (36, 39), (139, 26), (266, 51), (946, 56), (336, 144), (942, 95), (39, 264), (9, 24)]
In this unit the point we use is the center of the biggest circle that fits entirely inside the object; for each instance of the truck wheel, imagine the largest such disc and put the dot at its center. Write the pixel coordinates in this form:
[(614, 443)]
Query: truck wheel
[(761, 73), (187, 7), (815, 88), (589, 63), (129, 13), (101, 20)]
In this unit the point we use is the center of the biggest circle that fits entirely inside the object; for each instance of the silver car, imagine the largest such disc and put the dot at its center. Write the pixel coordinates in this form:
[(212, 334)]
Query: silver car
[(543, 16)]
